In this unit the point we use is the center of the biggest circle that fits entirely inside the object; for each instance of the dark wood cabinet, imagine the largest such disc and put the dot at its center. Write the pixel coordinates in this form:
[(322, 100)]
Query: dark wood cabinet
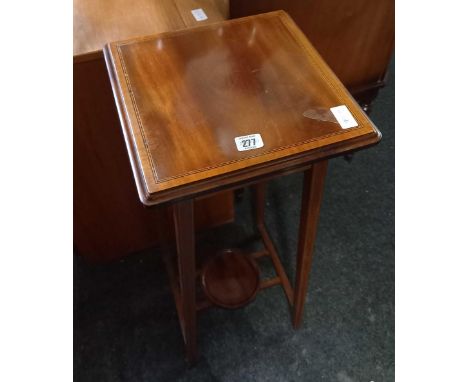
[(109, 220), (356, 38)]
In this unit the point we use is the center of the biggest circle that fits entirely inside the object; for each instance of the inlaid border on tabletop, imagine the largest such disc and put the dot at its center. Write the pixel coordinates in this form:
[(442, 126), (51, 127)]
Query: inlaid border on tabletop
[(154, 189)]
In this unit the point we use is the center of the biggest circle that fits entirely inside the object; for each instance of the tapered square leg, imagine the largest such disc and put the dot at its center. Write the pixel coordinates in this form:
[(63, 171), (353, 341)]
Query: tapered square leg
[(259, 198), (314, 180), (185, 240)]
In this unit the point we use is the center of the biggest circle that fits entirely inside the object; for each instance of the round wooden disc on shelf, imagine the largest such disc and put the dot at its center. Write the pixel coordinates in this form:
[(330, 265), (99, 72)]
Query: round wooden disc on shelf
[(230, 279)]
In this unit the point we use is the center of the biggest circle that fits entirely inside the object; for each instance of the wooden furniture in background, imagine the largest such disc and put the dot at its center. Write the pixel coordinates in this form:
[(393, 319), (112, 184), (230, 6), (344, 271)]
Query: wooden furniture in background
[(355, 38), (185, 98), (96, 22), (109, 221)]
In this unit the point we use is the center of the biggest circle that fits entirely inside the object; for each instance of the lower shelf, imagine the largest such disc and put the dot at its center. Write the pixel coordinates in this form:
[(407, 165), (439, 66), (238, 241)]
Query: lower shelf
[(231, 279)]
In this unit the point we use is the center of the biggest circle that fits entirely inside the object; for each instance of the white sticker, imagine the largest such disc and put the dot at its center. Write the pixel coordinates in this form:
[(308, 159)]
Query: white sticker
[(344, 116), (249, 142), (199, 14)]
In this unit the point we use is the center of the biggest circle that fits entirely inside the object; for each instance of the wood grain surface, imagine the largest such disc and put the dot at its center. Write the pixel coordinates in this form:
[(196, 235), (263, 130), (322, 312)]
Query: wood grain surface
[(97, 22), (109, 222), (356, 38), (184, 96)]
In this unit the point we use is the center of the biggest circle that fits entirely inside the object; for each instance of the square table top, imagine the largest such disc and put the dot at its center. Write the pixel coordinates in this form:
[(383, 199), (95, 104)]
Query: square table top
[(184, 97)]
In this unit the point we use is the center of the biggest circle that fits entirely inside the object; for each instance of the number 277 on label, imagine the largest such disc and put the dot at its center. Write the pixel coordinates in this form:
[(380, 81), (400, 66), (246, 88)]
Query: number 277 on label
[(249, 142)]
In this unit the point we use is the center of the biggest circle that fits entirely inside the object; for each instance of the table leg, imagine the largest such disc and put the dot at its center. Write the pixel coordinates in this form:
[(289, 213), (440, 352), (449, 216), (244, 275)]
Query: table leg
[(185, 240), (312, 191), (259, 197)]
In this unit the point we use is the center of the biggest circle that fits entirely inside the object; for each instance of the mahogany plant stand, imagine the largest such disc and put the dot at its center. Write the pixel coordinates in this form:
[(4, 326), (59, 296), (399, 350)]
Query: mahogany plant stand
[(224, 106)]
